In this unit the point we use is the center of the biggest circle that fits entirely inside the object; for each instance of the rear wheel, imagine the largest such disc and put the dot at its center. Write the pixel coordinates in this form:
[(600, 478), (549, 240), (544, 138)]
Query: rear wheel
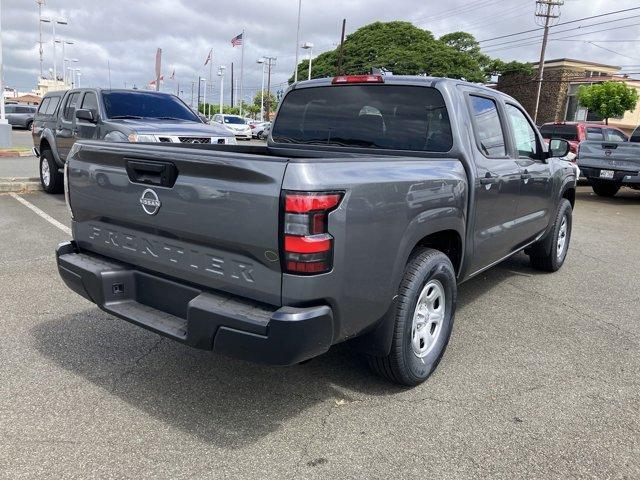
[(423, 320), (28, 125), (50, 178), (549, 254), (604, 189)]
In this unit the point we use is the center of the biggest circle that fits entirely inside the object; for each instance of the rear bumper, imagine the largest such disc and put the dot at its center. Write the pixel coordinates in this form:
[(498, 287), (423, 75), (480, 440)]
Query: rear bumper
[(226, 324), (623, 177)]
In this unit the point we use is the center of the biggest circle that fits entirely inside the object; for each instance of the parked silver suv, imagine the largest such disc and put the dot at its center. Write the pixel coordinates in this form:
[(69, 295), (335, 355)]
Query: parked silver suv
[(20, 115)]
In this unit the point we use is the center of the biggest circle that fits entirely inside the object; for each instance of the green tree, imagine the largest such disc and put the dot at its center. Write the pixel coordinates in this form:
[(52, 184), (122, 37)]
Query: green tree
[(405, 49), (270, 101), (608, 99)]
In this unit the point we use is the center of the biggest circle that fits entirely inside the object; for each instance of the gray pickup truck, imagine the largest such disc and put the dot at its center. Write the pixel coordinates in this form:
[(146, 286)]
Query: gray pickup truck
[(373, 198), (608, 166), (114, 115)]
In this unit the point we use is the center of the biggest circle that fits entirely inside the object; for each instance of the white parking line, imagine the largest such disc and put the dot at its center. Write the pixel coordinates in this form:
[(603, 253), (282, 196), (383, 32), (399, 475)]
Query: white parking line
[(42, 214)]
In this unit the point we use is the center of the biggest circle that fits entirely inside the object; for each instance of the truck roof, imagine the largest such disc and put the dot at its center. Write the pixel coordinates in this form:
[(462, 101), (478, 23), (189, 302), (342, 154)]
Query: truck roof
[(413, 80)]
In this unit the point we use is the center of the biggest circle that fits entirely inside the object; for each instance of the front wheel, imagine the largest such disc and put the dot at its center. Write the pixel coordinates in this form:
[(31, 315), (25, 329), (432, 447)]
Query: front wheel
[(423, 320), (549, 254), (605, 189), (50, 178)]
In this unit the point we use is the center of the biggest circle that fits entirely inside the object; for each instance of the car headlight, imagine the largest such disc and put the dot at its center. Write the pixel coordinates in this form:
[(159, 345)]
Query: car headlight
[(135, 137)]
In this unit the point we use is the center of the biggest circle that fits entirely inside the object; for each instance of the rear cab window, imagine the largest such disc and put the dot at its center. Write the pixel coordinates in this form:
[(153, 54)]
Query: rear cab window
[(565, 132), (390, 117), (595, 133)]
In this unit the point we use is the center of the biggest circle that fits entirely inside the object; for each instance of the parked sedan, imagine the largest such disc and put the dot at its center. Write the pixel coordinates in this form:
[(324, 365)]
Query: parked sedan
[(236, 124), (20, 115), (257, 128)]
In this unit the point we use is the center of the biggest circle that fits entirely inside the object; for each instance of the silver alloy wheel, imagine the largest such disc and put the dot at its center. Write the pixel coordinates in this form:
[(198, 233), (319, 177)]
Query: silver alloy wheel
[(562, 238), (45, 172), (428, 318)]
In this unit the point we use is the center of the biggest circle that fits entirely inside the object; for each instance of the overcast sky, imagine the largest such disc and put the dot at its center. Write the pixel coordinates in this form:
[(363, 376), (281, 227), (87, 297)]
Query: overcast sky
[(127, 33)]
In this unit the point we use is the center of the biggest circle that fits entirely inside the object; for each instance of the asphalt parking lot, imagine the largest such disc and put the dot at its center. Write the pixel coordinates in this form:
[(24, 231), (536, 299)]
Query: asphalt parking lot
[(541, 379)]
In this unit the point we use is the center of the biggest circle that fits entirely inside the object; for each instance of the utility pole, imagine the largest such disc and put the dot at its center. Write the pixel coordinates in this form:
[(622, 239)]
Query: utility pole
[(344, 26), (40, 4), (269, 61), (547, 12), (295, 75)]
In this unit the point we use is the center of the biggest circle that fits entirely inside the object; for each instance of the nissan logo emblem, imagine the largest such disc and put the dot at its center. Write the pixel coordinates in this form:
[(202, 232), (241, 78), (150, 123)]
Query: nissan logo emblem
[(608, 153), (150, 202)]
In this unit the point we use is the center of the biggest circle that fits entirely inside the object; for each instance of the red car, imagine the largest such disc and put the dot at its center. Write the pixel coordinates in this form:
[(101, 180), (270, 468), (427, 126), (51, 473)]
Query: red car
[(576, 132)]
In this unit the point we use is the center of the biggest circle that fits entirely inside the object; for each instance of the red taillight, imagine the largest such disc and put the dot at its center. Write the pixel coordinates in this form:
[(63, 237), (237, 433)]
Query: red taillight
[(307, 245), (308, 202), (345, 79)]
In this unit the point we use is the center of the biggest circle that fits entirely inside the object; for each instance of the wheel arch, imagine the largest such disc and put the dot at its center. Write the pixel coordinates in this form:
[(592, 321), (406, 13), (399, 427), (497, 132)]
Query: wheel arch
[(446, 236)]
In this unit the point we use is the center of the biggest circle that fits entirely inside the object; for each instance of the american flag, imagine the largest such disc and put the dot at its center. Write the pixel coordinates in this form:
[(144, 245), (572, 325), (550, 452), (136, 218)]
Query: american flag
[(237, 40)]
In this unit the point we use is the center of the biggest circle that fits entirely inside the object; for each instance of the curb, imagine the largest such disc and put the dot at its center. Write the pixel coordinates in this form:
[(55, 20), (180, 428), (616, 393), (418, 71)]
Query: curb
[(19, 185), (16, 153)]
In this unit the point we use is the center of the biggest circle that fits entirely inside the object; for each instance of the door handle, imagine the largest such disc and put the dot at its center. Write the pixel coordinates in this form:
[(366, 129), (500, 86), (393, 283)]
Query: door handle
[(487, 180)]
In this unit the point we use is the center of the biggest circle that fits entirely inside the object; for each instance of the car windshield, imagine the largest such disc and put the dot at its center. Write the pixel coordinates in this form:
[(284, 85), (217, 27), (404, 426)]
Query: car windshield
[(370, 116), (146, 105), (565, 132), (235, 120)]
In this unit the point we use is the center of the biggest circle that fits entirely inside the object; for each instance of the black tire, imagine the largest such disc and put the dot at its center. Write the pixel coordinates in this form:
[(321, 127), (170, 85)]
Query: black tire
[(28, 125), (55, 183), (546, 255), (605, 189), (403, 365)]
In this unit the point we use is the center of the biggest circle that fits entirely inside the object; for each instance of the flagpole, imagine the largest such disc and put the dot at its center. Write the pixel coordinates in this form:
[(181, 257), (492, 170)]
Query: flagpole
[(210, 83), (241, 71)]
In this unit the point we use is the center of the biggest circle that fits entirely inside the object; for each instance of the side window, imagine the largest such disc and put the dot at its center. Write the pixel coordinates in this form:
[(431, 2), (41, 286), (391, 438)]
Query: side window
[(615, 136), (488, 127), (70, 107), (635, 136), (23, 110), (594, 133), (523, 132), (43, 106), (9, 109), (51, 108), (90, 102)]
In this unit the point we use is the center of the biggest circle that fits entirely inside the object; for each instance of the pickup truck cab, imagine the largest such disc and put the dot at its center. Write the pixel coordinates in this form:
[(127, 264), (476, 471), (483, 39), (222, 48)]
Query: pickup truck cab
[(372, 200), (116, 116)]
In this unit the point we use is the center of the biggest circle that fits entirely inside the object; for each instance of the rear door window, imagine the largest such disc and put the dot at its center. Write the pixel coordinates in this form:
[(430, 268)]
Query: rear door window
[(488, 128), (70, 106), (9, 109), (635, 136), (595, 133), (391, 117)]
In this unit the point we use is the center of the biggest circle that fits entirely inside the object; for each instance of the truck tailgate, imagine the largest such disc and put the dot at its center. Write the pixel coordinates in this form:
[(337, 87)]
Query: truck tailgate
[(205, 217), (610, 156)]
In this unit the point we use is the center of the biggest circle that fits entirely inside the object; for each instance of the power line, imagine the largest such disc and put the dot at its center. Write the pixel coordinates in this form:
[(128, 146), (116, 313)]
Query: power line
[(560, 24), (516, 45), (457, 11), (565, 30)]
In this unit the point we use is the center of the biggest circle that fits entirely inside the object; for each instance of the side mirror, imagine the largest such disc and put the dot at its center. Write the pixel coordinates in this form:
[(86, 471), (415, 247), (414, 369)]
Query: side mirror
[(558, 147), (85, 114)]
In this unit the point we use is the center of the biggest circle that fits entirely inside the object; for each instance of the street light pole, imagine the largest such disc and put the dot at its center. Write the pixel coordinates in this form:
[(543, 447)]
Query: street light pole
[(262, 61), (221, 75), (309, 46), (5, 128), (64, 57), (53, 22)]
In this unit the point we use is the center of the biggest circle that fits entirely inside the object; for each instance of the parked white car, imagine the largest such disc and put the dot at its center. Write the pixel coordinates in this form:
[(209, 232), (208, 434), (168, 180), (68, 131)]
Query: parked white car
[(236, 124)]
